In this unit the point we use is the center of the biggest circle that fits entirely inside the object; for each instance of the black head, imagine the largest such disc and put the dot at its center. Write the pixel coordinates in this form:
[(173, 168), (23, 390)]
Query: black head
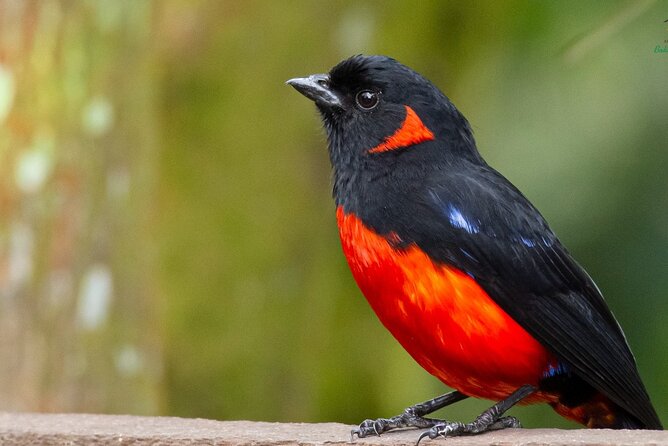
[(380, 115)]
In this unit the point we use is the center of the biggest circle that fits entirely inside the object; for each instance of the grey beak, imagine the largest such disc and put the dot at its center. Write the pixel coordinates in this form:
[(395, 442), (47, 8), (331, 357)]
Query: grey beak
[(316, 88)]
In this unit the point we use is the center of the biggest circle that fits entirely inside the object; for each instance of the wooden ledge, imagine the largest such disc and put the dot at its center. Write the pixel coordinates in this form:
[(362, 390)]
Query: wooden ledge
[(83, 429)]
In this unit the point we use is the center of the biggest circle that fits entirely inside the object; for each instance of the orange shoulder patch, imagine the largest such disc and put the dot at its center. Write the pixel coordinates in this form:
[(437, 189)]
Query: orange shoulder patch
[(412, 131)]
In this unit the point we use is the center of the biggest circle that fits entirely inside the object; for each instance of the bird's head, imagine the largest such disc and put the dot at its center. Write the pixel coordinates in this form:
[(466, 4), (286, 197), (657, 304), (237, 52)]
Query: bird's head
[(376, 110)]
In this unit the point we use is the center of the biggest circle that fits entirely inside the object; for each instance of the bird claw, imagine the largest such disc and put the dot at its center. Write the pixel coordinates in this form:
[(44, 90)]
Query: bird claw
[(446, 429), (480, 425), (408, 419), (368, 427)]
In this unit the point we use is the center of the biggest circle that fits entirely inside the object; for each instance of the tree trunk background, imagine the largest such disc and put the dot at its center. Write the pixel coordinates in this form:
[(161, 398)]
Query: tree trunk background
[(79, 327)]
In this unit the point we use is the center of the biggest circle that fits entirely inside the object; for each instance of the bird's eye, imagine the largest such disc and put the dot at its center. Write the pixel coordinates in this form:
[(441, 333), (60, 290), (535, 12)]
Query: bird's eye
[(367, 99)]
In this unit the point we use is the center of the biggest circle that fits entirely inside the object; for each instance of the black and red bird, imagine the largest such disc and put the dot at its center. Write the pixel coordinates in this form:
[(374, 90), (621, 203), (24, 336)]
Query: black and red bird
[(459, 266)]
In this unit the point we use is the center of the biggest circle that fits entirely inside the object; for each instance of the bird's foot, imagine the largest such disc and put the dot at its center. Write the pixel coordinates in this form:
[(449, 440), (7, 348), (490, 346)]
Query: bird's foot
[(489, 420), (412, 416), (406, 420), (483, 423)]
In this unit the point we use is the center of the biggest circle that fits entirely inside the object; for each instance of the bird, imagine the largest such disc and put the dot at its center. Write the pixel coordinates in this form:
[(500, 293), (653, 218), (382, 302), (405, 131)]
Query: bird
[(459, 266)]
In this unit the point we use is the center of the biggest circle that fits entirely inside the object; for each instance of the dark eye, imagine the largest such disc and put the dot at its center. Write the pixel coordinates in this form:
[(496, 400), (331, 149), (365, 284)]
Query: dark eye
[(367, 99)]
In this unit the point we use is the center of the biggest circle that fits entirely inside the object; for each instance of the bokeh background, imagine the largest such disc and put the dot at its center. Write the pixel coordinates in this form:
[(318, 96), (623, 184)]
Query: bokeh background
[(167, 235)]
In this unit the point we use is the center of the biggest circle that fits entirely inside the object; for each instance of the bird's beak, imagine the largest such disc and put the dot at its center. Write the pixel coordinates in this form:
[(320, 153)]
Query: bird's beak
[(316, 87)]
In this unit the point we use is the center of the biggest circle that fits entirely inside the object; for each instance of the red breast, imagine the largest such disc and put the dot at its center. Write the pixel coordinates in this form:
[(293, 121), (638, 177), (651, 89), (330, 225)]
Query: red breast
[(441, 316)]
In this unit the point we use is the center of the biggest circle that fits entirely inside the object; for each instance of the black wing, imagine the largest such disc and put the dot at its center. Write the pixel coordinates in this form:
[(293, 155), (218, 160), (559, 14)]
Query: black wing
[(491, 231)]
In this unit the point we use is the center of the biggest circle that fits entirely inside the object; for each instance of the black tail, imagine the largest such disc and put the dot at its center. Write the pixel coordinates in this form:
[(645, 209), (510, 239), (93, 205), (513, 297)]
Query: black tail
[(624, 420)]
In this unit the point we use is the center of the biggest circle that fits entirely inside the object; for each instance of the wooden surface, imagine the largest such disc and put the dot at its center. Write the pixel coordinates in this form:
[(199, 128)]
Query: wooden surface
[(82, 429)]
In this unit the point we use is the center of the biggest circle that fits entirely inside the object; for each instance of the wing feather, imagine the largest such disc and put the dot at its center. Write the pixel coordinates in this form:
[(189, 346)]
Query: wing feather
[(517, 259)]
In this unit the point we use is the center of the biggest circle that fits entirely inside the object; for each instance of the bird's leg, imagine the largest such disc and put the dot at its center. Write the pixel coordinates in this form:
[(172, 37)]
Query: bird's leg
[(491, 419), (412, 416)]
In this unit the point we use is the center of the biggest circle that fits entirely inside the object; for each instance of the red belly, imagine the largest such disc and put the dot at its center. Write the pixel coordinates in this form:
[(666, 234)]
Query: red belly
[(440, 315)]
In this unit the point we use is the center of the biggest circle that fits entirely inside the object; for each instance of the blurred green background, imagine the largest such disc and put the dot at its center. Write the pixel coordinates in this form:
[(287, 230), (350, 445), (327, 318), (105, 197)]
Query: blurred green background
[(167, 234)]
